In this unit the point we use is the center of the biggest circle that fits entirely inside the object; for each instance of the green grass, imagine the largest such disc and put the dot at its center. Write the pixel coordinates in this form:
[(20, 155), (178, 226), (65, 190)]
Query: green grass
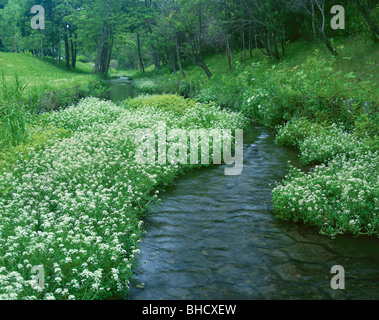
[(308, 82), (31, 85), (41, 75)]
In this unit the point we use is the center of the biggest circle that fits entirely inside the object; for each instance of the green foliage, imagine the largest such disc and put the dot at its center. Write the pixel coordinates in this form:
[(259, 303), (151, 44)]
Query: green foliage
[(229, 96), (334, 141), (163, 85), (75, 206), (12, 115), (319, 144), (339, 198), (296, 131), (12, 124), (313, 89), (146, 85), (166, 102), (39, 137), (12, 91), (367, 128)]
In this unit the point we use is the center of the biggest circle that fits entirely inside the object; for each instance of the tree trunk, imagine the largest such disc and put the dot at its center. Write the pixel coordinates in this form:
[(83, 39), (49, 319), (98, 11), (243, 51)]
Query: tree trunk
[(321, 28), (53, 51), (170, 62), (228, 52), (67, 51), (42, 55), (74, 51), (154, 52), (205, 67), (178, 51), (250, 46), (328, 44), (109, 54), (59, 52), (14, 42), (243, 42), (101, 49), (142, 68), (313, 20), (366, 15)]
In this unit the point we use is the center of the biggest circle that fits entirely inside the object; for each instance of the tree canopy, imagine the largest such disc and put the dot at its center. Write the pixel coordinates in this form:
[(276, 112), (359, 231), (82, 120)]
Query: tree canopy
[(137, 33)]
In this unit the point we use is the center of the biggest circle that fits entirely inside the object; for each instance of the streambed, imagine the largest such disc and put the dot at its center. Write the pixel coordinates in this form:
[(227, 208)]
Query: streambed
[(215, 237)]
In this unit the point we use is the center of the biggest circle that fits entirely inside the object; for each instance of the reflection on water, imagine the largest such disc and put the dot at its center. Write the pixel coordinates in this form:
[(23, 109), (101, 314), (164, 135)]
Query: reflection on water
[(215, 237), (121, 89)]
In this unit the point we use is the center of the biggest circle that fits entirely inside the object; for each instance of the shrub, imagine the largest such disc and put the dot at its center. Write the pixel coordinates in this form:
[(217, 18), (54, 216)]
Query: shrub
[(145, 85), (318, 144), (313, 89), (367, 128), (39, 137), (341, 197), (296, 131), (167, 102), (229, 96), (323, 147)]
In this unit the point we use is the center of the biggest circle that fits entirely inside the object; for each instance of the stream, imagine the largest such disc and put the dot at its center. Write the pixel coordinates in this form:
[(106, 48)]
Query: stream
[(214, 237), (121, 89)]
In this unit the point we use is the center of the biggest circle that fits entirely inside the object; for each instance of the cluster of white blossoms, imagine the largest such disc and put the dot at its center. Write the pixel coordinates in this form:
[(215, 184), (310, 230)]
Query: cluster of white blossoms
[(75, 208), (325, 146), (341, 197)]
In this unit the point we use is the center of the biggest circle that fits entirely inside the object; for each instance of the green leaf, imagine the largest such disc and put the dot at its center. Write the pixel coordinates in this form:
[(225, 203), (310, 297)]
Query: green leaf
[(350, 75)]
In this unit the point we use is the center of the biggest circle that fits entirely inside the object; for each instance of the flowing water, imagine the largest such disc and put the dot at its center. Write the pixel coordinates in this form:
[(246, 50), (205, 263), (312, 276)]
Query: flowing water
[(215, 237), (121, 89)]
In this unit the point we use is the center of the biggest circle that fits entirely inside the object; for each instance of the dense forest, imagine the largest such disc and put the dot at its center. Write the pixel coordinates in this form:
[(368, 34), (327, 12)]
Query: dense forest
[(135, 34)]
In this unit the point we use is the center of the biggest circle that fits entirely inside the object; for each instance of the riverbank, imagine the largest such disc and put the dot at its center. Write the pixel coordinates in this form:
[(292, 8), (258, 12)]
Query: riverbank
[(325, 106), (75, 206), (40, 86), (29, 87), (216, 237)]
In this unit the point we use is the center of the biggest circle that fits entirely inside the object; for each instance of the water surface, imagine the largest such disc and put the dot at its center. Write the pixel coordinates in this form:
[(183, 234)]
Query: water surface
[(215, 237), (121, 89)]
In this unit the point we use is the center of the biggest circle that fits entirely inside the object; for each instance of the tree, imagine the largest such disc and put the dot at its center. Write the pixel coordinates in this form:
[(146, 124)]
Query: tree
[(168, 34), (364, 7), (316, 10), (96, 24), (9, 19), (193, 26), (266, 19)]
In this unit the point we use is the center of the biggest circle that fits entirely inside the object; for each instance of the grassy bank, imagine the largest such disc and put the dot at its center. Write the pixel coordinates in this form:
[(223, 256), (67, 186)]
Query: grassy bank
[(75, 206), (325, 106), (355, 64), (28, 78), (29, 86), (341, 195)]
